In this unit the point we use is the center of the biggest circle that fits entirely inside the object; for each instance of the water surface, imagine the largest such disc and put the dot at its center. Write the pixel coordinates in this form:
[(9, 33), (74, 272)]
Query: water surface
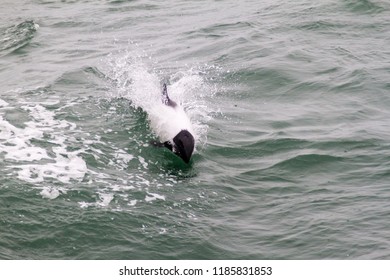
[(289, 101)]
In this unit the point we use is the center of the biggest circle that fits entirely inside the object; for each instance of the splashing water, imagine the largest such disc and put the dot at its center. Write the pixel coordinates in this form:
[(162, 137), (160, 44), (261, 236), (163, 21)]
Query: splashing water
[(58, 156), (136, 78)]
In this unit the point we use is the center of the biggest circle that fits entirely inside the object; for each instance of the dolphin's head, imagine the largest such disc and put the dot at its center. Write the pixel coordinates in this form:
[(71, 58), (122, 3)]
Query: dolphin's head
[(183, 145)]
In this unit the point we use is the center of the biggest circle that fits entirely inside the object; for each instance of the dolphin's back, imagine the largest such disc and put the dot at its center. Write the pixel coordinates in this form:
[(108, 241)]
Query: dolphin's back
[(168, 118)]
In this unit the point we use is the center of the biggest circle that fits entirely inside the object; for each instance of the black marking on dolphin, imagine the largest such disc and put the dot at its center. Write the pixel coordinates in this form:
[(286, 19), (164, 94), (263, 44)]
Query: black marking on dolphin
[(183, 145), (165, 98)]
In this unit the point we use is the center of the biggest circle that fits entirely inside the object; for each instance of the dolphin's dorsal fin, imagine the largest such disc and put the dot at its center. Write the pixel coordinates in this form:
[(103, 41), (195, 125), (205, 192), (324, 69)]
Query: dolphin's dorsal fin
[(165, 98)]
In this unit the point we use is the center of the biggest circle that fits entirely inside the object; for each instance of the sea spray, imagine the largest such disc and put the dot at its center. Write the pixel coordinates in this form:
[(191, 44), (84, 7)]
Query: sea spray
[(138, 79)]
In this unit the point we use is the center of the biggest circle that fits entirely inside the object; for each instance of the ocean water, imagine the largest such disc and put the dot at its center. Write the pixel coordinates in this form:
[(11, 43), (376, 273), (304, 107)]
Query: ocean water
[(290, 105)]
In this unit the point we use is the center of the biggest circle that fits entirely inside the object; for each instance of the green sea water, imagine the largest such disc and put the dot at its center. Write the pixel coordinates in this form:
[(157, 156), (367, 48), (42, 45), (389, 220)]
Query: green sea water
[(290, 105)]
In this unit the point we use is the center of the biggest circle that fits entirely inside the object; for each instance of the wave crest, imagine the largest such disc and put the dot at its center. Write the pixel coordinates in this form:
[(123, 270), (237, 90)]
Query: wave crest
[(17, 36)]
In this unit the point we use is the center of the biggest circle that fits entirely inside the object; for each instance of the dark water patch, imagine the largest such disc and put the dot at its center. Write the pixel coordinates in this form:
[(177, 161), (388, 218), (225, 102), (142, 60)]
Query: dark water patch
[(221, 30), (42, 91), (96, 72), (363, 7), (24, 218), (320, 25), (349, 57), (272, 146), (119, 2), (72, 24), (234, 152), (351, 81), (266, 78), (88, 232), (131, 6), (15, 37), (314, 88), (63, 2), (329, 70), (347, 145), (307, 163), (301, 55), (82, 79)]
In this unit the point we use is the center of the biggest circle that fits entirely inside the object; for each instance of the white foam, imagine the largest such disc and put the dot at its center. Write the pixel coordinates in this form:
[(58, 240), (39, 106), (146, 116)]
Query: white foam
[(15, 142), (52, 192), (123, 158), (105, 199), (143, 162), (18, 146), (132, 202), (84, 204), (3, 103), (153, 196), (64, 169), (125, 186)]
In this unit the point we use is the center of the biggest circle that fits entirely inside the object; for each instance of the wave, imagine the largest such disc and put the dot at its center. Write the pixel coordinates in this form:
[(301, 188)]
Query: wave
[(363, 6), (320, 25), (17, 36)]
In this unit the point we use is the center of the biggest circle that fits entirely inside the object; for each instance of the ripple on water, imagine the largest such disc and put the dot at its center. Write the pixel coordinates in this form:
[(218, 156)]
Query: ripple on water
[(16, 36)]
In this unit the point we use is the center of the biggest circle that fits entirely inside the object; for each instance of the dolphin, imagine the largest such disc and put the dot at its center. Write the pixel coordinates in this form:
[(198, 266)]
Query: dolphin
[(173, 127)]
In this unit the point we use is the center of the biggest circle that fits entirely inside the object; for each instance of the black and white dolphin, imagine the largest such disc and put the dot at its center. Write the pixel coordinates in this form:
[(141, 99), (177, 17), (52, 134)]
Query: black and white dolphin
[(173, 127)]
